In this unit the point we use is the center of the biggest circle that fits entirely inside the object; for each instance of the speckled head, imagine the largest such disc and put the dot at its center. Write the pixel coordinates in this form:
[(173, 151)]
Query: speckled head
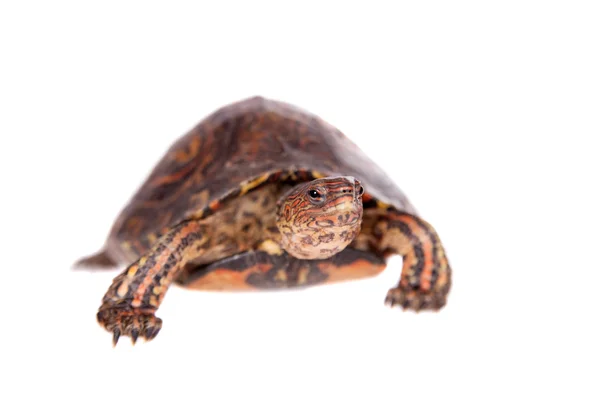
[(320, 218)]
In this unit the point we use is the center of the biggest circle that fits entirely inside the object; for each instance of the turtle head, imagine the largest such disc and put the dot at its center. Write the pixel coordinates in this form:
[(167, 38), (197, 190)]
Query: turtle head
[(320, 218)]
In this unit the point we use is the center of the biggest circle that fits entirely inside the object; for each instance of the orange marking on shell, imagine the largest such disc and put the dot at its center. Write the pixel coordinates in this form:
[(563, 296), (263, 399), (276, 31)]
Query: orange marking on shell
[(134, 225), (215, 205), (358, 269), (248, 186), (182, 156), (228, 280), (177, 176), (381, 204)]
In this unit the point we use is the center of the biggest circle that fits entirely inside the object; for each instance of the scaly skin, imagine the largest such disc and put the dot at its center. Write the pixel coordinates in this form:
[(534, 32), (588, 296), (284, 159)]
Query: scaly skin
[(426, 275), (319, 219), (129, 305)]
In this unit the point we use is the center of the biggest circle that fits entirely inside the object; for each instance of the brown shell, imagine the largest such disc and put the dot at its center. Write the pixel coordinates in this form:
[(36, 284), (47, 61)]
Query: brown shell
[(235, 149)]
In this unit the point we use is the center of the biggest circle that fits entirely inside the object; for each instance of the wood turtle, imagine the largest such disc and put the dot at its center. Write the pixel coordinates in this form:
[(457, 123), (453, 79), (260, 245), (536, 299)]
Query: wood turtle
[(263, 195)]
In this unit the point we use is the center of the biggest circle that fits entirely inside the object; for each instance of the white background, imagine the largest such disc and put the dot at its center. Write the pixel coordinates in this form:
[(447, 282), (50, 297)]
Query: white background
[(485, 113)]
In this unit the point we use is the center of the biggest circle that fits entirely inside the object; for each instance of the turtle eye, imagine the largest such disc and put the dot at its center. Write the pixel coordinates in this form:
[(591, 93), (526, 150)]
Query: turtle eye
[(314, 194), (361, 190)]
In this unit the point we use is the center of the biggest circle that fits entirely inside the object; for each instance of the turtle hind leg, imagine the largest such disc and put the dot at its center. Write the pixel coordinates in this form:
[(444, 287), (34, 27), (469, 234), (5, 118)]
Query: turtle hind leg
[(99, 260), (426, 275)]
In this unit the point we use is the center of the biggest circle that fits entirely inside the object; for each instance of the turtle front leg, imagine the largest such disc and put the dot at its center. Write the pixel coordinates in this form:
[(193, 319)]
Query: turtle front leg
[(425, 280), (129, 305)]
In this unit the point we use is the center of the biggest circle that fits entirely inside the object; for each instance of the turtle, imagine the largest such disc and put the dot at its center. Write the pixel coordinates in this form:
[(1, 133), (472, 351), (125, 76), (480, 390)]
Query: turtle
[(262, 194)]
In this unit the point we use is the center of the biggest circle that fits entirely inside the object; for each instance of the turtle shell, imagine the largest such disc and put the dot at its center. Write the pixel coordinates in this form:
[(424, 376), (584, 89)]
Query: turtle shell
[(234, 150)]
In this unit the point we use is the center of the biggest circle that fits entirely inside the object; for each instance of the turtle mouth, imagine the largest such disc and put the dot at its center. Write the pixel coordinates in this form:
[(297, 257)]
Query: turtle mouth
[(347, 212)]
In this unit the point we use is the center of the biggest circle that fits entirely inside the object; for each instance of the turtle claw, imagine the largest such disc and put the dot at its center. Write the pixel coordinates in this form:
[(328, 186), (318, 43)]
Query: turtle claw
[(415, 299), (135, 333), (151, 332), (116, 336), (128, 321)]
